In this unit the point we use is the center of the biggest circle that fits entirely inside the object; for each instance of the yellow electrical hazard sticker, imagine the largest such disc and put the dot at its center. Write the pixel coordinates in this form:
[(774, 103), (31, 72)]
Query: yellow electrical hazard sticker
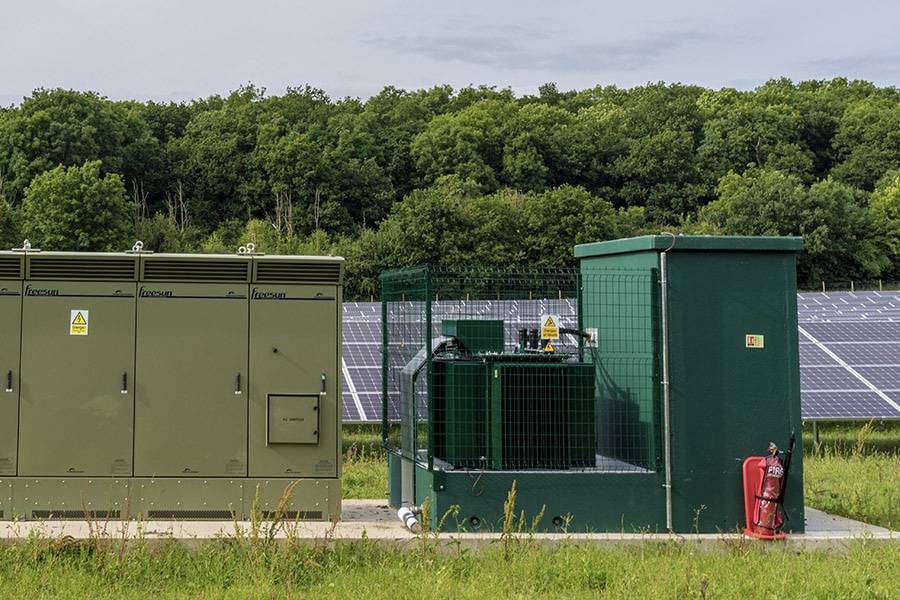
[(78, 323), (550, 328), (549, 348), (755, 341)]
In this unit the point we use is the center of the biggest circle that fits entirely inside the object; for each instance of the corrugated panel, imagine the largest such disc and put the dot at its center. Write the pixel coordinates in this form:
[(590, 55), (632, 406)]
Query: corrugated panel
[(186, 269), (298, 272), (76, 267), (10, 267)]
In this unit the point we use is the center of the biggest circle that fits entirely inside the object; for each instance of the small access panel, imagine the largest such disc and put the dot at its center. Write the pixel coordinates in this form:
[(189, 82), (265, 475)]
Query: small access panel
[(293, 420)]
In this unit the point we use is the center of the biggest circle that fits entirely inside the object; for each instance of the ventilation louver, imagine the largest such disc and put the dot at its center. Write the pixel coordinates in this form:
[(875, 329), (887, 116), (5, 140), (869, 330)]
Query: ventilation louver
[(10, 267), (192, 515), (74, 514), (196, 270), (298, 272), (70, 268)]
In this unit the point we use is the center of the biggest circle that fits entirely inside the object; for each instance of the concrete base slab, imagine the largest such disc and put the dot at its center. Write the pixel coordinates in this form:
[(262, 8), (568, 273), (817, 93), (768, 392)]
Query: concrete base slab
[(378, 522)]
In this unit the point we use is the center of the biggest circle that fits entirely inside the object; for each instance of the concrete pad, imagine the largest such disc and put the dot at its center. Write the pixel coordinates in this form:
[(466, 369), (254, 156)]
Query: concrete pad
[(378, 522)]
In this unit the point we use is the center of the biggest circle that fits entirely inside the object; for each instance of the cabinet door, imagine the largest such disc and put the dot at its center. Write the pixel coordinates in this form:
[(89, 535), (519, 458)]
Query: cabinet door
[(77, 409), (294, 358), (191, 400), (10, 334)]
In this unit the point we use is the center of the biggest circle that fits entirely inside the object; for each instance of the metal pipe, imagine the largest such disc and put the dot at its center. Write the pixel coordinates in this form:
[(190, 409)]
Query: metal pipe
[(664, 300)]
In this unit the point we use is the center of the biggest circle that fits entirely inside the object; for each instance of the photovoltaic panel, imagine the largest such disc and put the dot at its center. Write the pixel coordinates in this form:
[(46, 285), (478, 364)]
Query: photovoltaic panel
[(834, 378), (885, 378), (854, 331), (850, 355), (812, 355), (361, 398), (823, 405), (841, 333), (873, 353), (850, 306)]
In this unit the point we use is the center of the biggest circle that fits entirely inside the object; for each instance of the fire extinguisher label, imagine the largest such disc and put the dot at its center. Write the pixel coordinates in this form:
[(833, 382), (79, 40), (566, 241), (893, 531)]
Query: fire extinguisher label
[(755, 341)]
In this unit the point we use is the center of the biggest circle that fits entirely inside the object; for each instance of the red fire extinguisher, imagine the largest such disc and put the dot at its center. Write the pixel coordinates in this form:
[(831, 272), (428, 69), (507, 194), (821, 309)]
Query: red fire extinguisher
[(767, 516), (768, 475)]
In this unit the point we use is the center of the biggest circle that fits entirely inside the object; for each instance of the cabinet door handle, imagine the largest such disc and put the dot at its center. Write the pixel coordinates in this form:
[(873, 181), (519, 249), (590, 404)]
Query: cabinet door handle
[(124, 382), (237, 383), (9, 380)]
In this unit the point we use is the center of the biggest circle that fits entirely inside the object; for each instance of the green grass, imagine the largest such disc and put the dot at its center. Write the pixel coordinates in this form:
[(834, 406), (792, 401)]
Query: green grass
[(224, 569), (365, 463), (854, 471)]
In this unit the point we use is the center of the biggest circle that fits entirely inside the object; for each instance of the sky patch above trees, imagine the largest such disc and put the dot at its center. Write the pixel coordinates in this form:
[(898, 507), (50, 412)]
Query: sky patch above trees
[(170, 50)]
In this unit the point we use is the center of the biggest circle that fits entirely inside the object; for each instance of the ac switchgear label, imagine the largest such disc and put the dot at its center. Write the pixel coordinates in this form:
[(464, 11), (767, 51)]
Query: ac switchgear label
[(78, 323)]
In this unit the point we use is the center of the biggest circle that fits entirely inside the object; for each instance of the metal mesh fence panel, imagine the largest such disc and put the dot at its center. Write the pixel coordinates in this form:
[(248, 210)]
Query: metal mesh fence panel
[(541, 369), (624, 306)]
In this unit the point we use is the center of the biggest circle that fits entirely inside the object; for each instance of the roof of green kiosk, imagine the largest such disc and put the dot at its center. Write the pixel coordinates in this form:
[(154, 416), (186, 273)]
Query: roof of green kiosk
[(690, 242)]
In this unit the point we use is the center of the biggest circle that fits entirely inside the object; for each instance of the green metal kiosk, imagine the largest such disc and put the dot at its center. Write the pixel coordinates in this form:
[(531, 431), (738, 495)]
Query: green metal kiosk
[(679, 360), (729, 366)]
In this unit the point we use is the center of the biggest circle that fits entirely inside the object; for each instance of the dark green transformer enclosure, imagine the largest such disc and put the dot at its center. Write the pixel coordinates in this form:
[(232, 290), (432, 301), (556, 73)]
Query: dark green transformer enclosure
[(160, 386), (677, 358)]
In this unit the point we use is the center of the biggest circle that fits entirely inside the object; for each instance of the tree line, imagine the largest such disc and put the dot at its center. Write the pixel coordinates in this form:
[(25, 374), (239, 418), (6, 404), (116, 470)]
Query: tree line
[(454, 177)]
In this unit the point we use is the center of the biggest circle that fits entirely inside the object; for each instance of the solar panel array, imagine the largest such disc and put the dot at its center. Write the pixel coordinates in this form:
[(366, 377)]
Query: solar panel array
[(849, 356), (362, 362)]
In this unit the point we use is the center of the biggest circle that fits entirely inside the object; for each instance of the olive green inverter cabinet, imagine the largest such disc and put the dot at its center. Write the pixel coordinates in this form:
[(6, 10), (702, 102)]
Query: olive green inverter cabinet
[(161, 386)]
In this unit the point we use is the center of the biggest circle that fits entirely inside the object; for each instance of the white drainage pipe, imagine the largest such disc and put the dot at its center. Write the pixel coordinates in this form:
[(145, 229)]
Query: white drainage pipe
[(409, 519)]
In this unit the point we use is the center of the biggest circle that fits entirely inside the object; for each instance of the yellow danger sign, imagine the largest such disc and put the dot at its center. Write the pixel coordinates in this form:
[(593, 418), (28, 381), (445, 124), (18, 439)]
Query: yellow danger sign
[(549, 348), (550, 328), (78, 323)]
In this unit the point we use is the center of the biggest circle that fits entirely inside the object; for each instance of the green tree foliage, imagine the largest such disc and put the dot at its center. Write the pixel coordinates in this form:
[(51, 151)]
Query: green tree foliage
[(868, 142), (59, 127), (761, 129), (659, 169), (78, 209), (467, 143), (554, 221), (211, 159), (479, 175), (885, 213), (9, 227), (827, 215)]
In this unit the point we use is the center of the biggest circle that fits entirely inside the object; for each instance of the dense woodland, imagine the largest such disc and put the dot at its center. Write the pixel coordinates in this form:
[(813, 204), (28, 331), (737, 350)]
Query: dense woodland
[(474, 176)]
